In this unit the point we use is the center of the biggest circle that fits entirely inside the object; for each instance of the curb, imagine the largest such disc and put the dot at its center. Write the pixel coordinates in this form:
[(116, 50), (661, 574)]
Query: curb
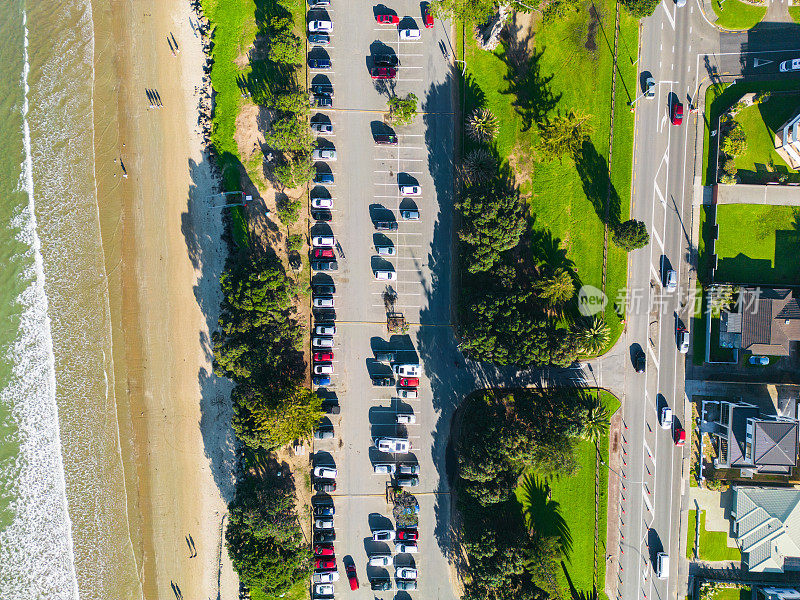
[(713, 24)]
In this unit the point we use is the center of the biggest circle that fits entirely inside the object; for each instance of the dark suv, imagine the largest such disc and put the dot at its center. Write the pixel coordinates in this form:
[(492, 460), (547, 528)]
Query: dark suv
[(389, 139), (386, 60), (386, 225)]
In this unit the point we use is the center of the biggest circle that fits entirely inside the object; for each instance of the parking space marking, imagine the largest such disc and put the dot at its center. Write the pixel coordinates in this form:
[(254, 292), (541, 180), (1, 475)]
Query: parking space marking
[(395, 173), (403, 159)]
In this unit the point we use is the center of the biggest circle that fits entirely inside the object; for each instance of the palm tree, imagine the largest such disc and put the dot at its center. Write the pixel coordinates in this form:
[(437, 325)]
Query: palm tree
[(482, 126), (556, 289), (595, 425), (594, 337), (479, 166)]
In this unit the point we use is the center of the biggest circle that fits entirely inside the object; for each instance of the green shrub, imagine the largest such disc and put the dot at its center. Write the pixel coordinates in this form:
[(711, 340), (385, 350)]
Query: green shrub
[(294, 242), (288, 210)]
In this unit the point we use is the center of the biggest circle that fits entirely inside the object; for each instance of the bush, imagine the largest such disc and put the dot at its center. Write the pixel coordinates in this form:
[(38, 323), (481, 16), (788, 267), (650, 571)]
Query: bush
[(294, 242), (630, 235), (640, 8), (730, 167), (735, 142), (295, 170), (402, 110), (288, 210)]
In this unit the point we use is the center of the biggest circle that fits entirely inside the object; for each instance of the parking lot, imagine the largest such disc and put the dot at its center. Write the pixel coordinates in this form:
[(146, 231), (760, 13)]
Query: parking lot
[(366, 192)]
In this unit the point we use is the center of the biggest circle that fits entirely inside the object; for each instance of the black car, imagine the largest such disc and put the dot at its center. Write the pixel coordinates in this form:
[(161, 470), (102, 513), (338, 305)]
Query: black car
[(385, 356), (386, 60), (323, 177), (324, 536), (324, 433), (324, 265), (325, 485), (331, 408), (324, 289), (386, 225), (323, 88), (387, 139), (324, 510), (319, 39), (319, 63), (639, 361), (323, 101), (381, 583), (383, 381), (322, 215)]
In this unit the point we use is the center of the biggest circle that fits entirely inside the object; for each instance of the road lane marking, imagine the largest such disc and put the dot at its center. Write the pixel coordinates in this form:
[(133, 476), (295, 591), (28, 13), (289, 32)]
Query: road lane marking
[(670, 17), (658, 239), (653, 356)]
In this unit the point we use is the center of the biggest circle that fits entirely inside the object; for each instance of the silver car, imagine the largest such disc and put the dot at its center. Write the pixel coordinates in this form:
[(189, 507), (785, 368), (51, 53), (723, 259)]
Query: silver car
[(380, 560), (386, 250), (384, 468), (324, 154), (671, 280)]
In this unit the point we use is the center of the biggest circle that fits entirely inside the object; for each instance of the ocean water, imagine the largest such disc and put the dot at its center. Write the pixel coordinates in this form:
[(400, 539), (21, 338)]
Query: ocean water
[(64, 530)]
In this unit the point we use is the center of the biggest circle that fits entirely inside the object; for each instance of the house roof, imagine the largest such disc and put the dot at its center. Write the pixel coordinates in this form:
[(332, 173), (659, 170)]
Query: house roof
[(775, 443), (738, 435), (767, 526), (770, 320)]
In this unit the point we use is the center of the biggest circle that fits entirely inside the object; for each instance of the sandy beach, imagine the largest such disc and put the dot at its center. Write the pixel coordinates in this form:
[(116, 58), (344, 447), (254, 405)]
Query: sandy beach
[(164, 255)]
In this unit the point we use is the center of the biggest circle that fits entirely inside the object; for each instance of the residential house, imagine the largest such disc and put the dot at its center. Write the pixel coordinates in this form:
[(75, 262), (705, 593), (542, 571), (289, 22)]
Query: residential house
[(778, 593), (764, 321)]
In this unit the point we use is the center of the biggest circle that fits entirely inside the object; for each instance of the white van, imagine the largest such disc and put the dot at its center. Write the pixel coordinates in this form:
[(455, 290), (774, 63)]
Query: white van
[(662, 565)]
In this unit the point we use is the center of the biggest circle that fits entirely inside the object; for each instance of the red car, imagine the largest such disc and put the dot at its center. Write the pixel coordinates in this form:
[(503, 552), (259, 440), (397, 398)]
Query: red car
[(351, 576), (383, 73), (387, 19), (325, 564), (680, 436), (408, 382), (407, 534), (323, 549), (427, 18), (323, 253), (323, 356), (676, 113)]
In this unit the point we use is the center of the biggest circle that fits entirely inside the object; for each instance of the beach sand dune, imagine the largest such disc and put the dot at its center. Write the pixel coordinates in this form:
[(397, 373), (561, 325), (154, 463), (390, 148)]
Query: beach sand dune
[(165, 255)]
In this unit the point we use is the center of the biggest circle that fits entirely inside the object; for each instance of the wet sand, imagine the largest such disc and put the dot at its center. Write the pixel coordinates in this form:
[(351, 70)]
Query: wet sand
[(164, 255)]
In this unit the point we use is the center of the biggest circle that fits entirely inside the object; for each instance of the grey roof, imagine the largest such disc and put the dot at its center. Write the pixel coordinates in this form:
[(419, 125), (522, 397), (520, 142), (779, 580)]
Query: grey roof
[(775, 443), (767, 526), (738, 436), (770, 320)]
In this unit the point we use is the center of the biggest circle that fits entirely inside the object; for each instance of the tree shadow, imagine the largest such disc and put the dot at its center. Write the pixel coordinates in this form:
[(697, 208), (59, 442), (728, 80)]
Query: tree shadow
[(543, 515), (593, 171), (533, 96)]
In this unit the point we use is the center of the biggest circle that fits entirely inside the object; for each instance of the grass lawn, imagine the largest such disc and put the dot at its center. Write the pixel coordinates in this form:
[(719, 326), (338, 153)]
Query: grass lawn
[(733, 14), (794, 12), (760, 121), (570, 70), (575, 503), (758, 244), (713, 545), (733, 593)]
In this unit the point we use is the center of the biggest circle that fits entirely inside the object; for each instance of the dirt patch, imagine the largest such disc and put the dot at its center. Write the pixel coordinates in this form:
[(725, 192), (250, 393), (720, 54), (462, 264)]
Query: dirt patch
[(300, 467), (591, 30), (247, 135)]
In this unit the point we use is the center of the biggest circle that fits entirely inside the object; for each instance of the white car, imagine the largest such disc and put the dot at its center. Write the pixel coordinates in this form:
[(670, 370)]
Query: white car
[(322, 127), (671, 280), (385, 275), (407, 370), (324, 523), (666, 418), (384, 468), (325, 577), (323, 302), (410, 34), (386, 250), (383, 535), (407, 394), (410, 190), (316, 26), (323, 369), (409, 469), (409, 215), (322, 203), (789, 65), (325, 330), (406, 418), (323, 589), (407, 548), (324, 154), (325, 472), (322, 342), (323, 241), (405, 573), (380, 560), (392, 445)]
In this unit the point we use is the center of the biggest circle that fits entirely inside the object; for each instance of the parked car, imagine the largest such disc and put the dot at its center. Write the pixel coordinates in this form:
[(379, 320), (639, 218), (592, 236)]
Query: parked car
[(323, 356), (384, 468), (324, 510), (322, 100), (406, 585), (671, 280), (407, 370), (639, 361), (383, 381), (409, 469), (405, 573), (324, 536), (405, 418), (320, 26), (319, 39), (383, 73), (323, 289), (331, 408), (759, 360), (407, 481), (410, 190), (326, 486), (386, 139), (386, 60), (323, 241), (323, 589), (407, 534), (324, 523), (409, 215), (383, 535), (384, 356), (319, 3), (381, 584), (679, 435), (324, 433), (321, 127), (323, 302), (789, 65), (325, 564), (321, 380), (410, 34), (676, 113), (325, 577), (325, 329), (427, 17), (407, 393), (350, 570), (387, 19), (320, 64), (323, 253), (393, 445), (324, 265), (650, 87), (324, 154), (666, 418), (406, 548), (385, 275), (323, 472), (683, 340), (380, 560), (322, 342), (386, 225)]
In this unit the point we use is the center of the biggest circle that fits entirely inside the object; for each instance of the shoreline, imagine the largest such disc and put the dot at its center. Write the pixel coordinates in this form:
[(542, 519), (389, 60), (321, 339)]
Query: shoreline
[(164, 252)]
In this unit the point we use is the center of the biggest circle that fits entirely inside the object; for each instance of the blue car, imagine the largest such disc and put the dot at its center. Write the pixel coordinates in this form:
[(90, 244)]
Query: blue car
[(759, 360), (320, 380), (323, 177), (319, 39), (319, 63)]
